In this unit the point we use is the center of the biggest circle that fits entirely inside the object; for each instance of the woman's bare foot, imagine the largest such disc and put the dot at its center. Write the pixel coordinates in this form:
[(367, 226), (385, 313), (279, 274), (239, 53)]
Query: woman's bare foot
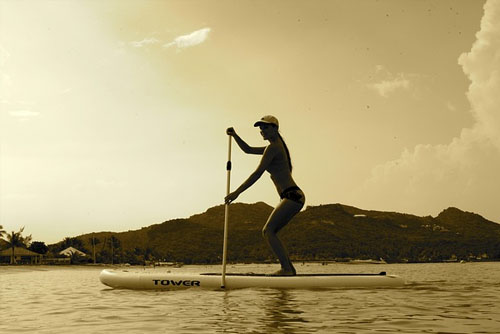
[(283, 272)]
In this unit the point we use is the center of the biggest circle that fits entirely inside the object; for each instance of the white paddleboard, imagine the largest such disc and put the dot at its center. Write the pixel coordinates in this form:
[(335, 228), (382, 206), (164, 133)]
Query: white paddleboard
[(168, 281)]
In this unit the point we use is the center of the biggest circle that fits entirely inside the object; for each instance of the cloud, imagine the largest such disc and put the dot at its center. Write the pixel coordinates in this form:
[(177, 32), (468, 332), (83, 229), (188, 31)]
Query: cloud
[(66, 91), (23, 113), (144, 42), (4, 56), (464, 172), (482, 66), (192, 39), (386, 87), (429, 178), (5, 78), (450, 106)]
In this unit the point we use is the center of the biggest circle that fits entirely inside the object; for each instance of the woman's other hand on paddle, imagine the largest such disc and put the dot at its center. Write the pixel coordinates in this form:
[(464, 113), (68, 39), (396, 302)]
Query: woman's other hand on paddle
[(231, 197), (231, 132)]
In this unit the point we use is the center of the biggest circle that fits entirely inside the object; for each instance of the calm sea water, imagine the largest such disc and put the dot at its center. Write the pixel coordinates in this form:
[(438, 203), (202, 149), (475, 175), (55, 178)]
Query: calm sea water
[(438, 298)]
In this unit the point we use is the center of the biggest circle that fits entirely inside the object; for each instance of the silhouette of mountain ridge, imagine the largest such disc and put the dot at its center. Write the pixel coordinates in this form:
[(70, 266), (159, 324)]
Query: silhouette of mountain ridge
[(324, 232)]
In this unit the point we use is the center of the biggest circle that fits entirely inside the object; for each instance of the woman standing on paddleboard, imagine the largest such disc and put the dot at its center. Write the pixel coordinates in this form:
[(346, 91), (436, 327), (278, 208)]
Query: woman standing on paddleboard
[(276, 161)]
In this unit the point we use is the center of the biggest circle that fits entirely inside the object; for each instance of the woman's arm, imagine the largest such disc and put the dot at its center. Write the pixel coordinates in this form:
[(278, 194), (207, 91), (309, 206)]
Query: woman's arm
[(267, 158), (243, 145)]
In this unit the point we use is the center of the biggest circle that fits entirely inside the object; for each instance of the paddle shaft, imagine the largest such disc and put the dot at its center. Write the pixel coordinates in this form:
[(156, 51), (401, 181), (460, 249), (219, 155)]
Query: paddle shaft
[(226, 216)]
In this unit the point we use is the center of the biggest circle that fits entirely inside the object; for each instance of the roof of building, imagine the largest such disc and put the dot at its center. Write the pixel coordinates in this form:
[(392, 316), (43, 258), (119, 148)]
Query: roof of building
[(70, 251), (19, 251)]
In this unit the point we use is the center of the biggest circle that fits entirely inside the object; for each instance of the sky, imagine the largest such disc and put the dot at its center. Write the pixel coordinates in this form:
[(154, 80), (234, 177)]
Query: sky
[(113, 113)]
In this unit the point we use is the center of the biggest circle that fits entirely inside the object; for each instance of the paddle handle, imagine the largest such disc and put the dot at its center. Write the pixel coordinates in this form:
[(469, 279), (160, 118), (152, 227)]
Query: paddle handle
[(226, 216)]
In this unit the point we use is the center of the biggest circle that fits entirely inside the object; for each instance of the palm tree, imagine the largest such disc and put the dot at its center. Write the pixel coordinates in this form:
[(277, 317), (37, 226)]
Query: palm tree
[(94, 241), (16, 239), (2, 233)]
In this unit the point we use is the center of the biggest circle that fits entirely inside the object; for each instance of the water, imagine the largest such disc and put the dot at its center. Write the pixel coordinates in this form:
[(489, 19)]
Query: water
[(439, 298)]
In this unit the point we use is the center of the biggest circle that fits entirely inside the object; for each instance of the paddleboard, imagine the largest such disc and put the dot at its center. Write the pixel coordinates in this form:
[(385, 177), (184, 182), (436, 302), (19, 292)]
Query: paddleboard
[(125, 279)]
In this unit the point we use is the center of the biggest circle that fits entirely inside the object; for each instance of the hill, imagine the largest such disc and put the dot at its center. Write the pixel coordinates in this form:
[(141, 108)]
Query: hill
[(325, 232)]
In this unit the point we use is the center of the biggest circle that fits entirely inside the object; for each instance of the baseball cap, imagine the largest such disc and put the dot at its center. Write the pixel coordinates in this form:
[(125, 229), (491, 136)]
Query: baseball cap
[(268, 119)]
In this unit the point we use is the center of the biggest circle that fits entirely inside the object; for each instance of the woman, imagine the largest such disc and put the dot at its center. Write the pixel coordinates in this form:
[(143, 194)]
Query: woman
[(275, 160)]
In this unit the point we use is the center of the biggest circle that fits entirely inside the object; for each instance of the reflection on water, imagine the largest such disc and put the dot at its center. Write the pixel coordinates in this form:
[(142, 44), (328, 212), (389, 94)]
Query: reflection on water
[(260, 311), (439, 298), (282, 314)]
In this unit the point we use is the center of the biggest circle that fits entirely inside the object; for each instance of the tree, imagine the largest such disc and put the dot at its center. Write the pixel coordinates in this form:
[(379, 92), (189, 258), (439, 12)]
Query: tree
[(39, 247), (115, 246), (94, 241), (2, 231), (72, 242), (110, 250), (16, 239)]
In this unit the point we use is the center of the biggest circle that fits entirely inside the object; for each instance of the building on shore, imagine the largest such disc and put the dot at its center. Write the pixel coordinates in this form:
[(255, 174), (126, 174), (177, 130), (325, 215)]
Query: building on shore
[(70, 251), (21, 256)]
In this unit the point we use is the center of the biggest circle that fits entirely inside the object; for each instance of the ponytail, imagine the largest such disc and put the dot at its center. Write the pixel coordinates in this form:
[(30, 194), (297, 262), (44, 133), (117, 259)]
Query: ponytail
[(287, 152)]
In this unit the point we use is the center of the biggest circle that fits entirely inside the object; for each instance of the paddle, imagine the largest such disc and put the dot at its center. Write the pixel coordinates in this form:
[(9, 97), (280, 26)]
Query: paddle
[(226, 216)]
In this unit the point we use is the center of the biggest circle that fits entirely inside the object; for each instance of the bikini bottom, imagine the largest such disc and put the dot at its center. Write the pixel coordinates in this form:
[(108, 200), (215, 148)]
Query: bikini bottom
[(294, 194)]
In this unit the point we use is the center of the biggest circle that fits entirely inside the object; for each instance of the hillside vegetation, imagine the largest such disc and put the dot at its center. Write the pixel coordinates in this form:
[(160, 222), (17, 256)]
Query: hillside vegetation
[(320, 233)]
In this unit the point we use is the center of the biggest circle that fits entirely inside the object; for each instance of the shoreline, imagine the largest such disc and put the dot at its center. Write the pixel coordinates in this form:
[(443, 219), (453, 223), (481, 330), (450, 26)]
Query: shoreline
[(243, 264)]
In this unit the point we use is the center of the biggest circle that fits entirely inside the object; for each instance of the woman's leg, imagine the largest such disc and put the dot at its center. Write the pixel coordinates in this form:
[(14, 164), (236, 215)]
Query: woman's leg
[(281, 215)]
